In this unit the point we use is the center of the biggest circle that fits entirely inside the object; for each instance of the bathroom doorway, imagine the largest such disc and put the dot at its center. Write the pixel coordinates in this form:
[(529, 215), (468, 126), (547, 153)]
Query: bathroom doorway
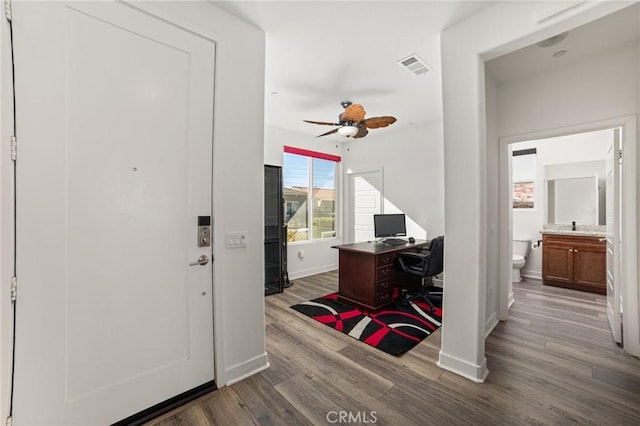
[(556, 182), (537, 212)]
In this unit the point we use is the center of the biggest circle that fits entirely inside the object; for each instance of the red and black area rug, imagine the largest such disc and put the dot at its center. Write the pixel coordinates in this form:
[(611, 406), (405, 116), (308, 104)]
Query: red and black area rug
[(394, 329)]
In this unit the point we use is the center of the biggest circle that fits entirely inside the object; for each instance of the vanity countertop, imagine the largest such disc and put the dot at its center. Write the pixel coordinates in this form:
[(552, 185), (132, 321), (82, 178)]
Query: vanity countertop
[(581, 230)]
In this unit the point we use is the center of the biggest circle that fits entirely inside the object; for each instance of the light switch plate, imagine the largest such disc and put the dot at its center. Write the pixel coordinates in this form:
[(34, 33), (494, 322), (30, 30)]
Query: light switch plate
[(236, 239)]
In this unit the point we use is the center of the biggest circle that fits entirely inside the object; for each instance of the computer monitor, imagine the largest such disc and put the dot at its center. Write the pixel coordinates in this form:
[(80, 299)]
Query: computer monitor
[(389, 225)]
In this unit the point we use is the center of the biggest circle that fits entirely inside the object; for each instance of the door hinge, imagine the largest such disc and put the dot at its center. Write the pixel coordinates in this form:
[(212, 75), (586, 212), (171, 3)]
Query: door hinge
[(14, 289), (7, 10), (620, 156), (14, 148)]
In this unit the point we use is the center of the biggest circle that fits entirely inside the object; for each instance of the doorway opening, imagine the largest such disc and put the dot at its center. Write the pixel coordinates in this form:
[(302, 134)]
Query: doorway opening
[(366, 197), (554, 168)]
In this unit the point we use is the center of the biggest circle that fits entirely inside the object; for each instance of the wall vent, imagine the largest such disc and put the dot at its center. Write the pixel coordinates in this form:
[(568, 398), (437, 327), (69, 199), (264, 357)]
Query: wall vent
[(414, 64)]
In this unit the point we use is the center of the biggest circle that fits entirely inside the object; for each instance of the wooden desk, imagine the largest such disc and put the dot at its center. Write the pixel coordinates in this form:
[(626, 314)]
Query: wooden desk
[(366, 276)]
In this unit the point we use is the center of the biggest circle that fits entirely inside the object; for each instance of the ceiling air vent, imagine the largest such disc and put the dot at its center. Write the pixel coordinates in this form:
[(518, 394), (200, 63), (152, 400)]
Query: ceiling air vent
[(414, 64)]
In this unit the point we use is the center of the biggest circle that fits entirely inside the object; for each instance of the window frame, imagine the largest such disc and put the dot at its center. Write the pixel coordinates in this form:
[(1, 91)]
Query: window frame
[(533, 180), (310, 156)]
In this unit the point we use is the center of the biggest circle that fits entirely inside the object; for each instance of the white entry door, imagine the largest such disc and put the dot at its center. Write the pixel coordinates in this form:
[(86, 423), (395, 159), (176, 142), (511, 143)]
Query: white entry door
[(114, 126), (613, 235), (366, 200)]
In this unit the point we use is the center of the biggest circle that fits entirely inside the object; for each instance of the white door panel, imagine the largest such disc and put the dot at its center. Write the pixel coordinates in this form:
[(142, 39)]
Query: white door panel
[(613, 236), (115, 131), (366, 200)]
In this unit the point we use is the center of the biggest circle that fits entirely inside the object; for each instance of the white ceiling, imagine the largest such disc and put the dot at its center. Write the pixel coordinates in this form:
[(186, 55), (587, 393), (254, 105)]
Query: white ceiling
[(319, 53)]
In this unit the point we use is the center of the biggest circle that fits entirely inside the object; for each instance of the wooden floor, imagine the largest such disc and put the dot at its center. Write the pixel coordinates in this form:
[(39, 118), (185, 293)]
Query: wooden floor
[(553, 362)]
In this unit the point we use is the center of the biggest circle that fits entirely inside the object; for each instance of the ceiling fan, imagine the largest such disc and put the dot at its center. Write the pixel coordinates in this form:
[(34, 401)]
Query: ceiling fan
[(352, 123)]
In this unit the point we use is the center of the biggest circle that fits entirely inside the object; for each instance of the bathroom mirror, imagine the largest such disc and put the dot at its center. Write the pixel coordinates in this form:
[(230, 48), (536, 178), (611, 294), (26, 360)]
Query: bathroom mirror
[(579, 200)]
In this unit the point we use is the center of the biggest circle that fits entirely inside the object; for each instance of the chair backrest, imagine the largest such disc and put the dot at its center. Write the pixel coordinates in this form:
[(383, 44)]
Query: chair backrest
[(435, 264)]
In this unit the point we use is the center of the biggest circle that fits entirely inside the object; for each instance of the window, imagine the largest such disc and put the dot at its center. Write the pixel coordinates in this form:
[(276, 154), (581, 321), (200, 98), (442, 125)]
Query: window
[(524, 177), (309, 191), (290, 207)]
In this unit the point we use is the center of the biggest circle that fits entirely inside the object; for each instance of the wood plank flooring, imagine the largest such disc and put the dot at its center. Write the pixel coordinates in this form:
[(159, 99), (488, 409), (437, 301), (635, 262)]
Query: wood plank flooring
[(553, 363)]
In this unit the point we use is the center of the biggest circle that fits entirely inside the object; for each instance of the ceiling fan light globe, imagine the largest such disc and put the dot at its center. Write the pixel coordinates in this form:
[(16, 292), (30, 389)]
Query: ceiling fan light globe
[(348, 131)]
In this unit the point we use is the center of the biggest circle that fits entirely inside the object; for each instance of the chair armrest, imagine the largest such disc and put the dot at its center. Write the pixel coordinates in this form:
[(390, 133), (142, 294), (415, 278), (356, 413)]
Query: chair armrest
[(412, 259), (411, 255)]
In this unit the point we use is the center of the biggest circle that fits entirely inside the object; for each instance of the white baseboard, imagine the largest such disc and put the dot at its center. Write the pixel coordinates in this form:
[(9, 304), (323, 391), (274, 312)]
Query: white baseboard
[(245, 369), (532, 274), (475, 373), (490, 324), (313, 271)]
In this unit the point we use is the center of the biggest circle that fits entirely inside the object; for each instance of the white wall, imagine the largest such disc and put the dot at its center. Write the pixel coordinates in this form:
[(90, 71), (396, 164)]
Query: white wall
[(577, 155), (505, 27), (275, 139), (238, 189), (412, 163), (607, 87)]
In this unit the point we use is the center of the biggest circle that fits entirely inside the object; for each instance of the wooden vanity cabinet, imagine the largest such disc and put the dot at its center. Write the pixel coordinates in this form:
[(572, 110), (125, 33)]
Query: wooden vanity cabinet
[(574, 261)]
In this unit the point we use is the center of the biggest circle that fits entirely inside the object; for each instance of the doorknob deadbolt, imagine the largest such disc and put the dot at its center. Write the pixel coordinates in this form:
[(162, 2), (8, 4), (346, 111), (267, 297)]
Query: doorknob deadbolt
[(204, 231)]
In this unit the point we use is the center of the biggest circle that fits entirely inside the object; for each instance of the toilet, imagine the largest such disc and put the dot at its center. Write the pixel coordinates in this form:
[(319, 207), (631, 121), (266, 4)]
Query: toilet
[(520, 252)]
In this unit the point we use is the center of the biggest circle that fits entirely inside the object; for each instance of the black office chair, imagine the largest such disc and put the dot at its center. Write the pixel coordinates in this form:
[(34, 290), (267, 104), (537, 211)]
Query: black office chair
[(426, 266)]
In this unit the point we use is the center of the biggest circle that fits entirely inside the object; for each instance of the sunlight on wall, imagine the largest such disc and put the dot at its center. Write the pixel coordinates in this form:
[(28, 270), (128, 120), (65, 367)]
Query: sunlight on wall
[(365, 207), (413, 229)]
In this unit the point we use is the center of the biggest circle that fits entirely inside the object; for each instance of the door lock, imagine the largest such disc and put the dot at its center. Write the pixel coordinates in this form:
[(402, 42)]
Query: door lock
[(204, 231)]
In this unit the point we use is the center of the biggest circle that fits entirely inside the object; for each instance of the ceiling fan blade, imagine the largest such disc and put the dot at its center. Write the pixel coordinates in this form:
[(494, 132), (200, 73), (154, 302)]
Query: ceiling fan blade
[(383, 121), (354, 112), (362, 132), (324, 123), (329, 132)]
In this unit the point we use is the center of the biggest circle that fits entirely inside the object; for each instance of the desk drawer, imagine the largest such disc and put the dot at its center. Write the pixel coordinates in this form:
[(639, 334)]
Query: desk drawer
[(383, 298), (384, 259), (384, 273), (384, 286)]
